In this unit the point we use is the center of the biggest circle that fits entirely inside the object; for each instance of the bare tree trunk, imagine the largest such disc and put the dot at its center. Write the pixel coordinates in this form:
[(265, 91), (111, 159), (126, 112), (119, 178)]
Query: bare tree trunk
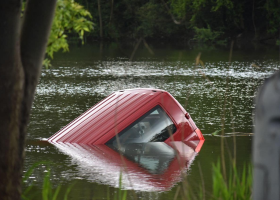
[(148, 47), (11, 77), (171, 15), (266, 144), (135, 49), (253, 19), (100, 19), (21, 55), (112, 9)]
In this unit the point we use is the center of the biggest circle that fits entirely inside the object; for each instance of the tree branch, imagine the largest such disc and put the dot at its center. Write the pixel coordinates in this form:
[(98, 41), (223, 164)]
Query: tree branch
[(100, 19), (171, 15)]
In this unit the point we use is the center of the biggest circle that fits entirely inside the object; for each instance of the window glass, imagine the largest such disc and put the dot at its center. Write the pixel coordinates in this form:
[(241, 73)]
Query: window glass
[(153, 156), (154, 126)]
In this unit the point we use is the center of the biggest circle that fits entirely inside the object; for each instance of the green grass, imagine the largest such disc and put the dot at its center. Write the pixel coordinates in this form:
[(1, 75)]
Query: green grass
[(238, 186), (48, 192)]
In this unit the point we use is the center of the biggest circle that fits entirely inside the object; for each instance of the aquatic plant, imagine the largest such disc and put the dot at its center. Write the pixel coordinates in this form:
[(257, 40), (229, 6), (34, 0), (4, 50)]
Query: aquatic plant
[(121, 194), (48, 192), (238, 185), (227, 184)]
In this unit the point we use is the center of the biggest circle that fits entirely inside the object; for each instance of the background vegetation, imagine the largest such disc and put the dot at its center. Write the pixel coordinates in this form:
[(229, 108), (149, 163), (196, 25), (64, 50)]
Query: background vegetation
[(190, 20)]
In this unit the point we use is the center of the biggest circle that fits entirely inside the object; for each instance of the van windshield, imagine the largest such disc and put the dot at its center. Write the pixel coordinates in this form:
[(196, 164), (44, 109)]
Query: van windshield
[(154, 126)]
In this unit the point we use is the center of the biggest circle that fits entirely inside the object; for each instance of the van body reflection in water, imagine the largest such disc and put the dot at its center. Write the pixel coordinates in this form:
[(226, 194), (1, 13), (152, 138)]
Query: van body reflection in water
[(143, 135), (152, 166)]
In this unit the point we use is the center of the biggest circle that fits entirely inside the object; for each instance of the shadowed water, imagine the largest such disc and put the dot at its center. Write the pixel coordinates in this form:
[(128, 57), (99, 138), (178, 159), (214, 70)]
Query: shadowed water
[(81, 78)]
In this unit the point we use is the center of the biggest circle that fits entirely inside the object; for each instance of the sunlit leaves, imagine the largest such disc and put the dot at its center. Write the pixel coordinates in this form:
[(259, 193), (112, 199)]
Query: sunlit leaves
[(223, 3), (69, 17), (178, 8)]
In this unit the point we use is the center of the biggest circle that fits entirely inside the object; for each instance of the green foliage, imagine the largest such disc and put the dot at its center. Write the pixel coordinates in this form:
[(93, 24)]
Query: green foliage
[(278, 42), (216, 132), (222, 3), (198, 4), (206, 35), (69, 17), (27, 194), (147, 17), (153, 19), (272, 8), (178, 8), (47, 188), (47, 63), (238, 186), (48, 192), (121, 194)]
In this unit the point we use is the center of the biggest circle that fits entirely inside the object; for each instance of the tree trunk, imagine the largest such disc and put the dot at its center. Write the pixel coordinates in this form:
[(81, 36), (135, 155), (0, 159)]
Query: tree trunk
[(100, 20), (11, 77), (21, 55), (112, 9)]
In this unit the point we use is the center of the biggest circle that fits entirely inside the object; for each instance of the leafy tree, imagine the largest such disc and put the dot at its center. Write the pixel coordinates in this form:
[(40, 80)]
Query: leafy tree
[(183, 19), (272, 8), (206, 35), (69, 17), (22, 51)]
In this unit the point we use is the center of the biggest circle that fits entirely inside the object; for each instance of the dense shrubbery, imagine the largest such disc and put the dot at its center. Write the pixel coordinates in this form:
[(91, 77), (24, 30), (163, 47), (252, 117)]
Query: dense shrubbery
[(182, 19)]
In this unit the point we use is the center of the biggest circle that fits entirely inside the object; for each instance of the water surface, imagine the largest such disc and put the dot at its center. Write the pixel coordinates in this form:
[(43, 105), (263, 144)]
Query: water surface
[(81, 78)]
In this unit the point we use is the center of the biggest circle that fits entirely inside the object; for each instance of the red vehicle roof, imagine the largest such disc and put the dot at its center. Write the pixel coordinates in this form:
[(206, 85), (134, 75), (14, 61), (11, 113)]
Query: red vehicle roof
[(119, 110)]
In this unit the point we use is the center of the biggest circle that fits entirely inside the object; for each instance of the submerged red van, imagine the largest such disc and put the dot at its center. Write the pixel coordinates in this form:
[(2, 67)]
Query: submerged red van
[(131, 116)]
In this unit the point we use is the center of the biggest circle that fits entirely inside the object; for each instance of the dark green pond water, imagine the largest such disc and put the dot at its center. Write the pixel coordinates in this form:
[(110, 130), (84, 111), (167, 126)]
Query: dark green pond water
[(81, 78)]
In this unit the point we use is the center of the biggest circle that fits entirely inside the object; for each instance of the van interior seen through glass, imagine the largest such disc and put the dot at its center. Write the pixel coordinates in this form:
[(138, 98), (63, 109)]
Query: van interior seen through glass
[(154, 126)]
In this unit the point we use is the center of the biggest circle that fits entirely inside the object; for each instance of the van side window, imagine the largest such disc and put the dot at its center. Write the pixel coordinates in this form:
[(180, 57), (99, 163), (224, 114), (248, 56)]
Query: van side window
[(154, 126)]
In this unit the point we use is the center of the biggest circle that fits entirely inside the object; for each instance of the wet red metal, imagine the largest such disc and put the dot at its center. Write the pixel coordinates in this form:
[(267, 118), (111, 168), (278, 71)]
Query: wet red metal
[(102, 159), (120, 109)]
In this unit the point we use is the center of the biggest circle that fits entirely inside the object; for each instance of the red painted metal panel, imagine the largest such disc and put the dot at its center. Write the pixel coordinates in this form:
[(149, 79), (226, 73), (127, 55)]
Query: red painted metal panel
[(113, 114), (109, 163)]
